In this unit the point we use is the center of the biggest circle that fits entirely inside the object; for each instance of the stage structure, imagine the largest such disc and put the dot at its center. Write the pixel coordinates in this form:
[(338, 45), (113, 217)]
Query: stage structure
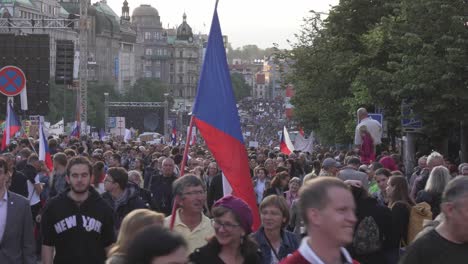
[(144, 116)]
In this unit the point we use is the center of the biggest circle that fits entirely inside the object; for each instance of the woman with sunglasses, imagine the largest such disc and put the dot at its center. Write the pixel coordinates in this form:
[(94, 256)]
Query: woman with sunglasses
[(232, 221)]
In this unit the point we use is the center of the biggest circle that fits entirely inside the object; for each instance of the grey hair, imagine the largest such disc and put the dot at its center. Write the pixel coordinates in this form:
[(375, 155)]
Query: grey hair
[(361, 111), (438, 179), (188, 180), (137, 174), (456, 188), (433, 157), (461, 166)]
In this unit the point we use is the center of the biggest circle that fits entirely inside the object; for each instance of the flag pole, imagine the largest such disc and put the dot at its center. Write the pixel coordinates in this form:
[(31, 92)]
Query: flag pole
[(187, 143), (182, 169)]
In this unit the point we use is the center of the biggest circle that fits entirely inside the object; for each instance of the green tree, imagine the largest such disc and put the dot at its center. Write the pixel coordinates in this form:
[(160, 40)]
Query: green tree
[(146, 90), (240, 87), (430, 65)]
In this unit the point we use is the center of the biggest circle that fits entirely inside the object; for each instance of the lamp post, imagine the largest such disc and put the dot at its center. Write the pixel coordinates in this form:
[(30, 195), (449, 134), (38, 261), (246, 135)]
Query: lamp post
[(166, 109), (106, 112)]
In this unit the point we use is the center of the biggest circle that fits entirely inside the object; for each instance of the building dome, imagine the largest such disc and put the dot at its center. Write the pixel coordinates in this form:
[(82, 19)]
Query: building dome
[(146, 15), (184, 31), (145, 10)]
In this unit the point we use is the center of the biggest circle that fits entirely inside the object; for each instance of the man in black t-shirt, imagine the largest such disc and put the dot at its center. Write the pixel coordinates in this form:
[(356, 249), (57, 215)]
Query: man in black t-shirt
[(77, 223), (448, 243)]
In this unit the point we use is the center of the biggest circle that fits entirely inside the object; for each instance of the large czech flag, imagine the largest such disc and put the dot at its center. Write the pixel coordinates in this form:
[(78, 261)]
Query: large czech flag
[(44, 153), (215, 115), (12, 126)]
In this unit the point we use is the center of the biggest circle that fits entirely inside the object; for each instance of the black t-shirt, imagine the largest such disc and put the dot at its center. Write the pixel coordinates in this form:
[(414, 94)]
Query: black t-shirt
[(433, 248), (79, 234), (19, 184)]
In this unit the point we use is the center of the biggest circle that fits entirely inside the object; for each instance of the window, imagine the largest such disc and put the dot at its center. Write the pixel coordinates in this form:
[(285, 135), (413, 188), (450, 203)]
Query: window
[(171, 69), (148, 74), (148, 52), (171, 79), (180, 93), (181, 68), (181, 53), (147, 35), (181, 79), (157, 35), (147, 63), (157, 74)]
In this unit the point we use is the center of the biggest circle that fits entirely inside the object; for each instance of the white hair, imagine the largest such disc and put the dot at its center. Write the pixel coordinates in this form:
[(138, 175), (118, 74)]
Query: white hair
[(437, 180), (435, 159)]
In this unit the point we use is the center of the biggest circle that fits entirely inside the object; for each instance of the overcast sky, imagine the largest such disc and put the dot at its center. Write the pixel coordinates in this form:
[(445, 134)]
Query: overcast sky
[(260, 22)]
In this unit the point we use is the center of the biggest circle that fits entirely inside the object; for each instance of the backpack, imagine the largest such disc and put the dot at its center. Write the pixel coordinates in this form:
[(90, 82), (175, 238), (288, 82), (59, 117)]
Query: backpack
[(419, 213), (367, 237)]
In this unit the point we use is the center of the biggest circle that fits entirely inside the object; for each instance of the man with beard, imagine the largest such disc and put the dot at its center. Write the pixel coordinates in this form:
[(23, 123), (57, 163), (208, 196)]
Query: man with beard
[(77, 223), (190, 221)]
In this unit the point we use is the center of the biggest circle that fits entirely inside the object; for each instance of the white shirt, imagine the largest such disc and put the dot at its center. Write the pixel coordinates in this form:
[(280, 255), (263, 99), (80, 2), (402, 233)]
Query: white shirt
[(3, 213), (308, 253), (33, 195), (374, 128), (259, 189)]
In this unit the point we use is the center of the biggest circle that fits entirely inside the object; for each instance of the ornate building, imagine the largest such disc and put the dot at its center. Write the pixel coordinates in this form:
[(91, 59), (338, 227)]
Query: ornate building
[(152, 43), (185, 64), (111, 45)]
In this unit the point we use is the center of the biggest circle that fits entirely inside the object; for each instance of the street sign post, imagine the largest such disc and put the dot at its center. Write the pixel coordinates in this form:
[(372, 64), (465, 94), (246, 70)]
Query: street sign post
[(12, 81), (410, 122)]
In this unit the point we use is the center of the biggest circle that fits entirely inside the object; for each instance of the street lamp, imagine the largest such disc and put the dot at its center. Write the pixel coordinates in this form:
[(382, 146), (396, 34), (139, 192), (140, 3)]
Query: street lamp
[(106, 112), (166, 109)]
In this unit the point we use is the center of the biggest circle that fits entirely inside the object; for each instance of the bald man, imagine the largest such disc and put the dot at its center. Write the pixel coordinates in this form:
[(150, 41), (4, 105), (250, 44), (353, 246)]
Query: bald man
[(373, 126)]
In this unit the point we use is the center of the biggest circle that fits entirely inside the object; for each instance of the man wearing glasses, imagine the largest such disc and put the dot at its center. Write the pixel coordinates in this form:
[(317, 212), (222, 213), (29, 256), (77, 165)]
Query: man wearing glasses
[(190, 221)]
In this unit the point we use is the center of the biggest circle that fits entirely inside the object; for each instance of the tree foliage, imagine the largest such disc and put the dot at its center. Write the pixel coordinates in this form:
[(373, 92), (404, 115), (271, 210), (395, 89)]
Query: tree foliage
[(240, 87), (248, 53), (376, 54)]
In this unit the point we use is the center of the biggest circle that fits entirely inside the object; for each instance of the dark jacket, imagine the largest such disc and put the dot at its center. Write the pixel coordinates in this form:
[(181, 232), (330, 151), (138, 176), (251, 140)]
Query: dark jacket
[(433, 199), (369, 207), (130, 202), (215, 191), (289, 243), (161, 188), (19, 184), (208, 254), (273, 191)]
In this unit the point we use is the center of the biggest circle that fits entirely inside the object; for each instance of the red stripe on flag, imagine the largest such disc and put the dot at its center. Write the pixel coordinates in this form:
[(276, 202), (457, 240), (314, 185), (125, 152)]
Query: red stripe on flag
[(232, 159)]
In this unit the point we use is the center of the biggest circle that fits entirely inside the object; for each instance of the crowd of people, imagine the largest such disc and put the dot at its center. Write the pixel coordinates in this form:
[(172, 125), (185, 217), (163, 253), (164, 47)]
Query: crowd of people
[(116, 202), (263, 119)]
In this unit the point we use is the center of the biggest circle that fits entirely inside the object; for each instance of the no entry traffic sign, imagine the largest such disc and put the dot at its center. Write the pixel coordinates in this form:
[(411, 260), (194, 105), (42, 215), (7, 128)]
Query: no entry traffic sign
[(12, 80)]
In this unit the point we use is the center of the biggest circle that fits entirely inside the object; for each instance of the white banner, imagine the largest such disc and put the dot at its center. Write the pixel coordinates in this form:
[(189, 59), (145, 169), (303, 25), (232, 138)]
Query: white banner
[(303, 144)]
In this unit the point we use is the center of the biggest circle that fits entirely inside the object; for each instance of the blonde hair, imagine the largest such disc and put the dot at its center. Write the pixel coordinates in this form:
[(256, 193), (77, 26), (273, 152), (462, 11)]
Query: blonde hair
[(438, 179), (131, 224)]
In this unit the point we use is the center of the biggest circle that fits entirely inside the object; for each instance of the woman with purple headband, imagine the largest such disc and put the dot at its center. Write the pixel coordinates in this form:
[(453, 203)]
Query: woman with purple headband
[(232, 221)]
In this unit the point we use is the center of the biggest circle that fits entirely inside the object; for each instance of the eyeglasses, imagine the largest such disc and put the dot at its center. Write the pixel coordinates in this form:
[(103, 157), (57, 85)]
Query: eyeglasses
[(193, 193), (227, 226), (108, 180)]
